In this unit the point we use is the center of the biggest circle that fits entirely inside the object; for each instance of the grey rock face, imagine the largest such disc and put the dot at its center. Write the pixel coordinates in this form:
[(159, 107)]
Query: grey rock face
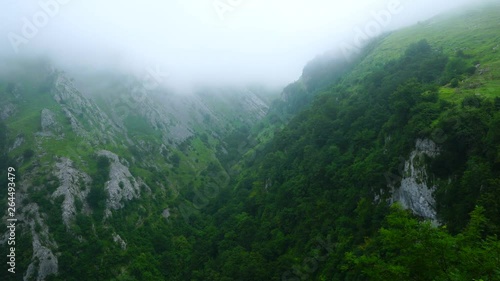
[(49, 124), (17, 143), (117, 239), (43, 262), (48, 120), (166, 213), (72, 102), (74, 185), (121, 186), (31, 220), (66, 94), (7, 110), (170, 118), (414, 192), (255, 105), (75, 125), (47, 262), (86, 118), (180, 133)]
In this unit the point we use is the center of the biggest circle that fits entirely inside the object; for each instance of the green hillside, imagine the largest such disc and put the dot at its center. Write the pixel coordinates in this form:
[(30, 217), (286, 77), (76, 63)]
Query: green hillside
[(382, 168), (312, 203), (471, 36)]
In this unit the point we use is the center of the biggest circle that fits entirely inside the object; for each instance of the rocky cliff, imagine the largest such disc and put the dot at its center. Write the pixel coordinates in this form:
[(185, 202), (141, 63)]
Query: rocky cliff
[(416, 190)]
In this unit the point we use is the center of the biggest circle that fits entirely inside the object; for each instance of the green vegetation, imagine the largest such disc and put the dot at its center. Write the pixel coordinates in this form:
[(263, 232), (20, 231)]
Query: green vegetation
[(407, 249), (97, 195), (319, 176), (304, 194)]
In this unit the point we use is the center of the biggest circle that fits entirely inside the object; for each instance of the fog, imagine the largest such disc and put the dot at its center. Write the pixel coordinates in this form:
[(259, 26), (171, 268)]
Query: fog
[(199, 41)]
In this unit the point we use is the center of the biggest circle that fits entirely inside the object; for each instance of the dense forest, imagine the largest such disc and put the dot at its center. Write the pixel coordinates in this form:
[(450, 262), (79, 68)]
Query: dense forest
[(305, 194), (306, 205)]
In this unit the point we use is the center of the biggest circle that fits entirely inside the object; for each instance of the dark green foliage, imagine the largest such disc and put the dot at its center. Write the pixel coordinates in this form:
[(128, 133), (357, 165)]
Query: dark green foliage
[(406, 249), (497, 103), (456, 69), (328, 160), (175, 159), (28, 153), (472, 101), (97, 195), (470, 157), (236, 144), (103, 165), (311, 204), (318, 177)]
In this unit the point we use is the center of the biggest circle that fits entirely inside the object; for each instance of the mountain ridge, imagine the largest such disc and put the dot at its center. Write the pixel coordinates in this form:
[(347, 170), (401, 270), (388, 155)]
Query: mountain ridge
[(115, 184)]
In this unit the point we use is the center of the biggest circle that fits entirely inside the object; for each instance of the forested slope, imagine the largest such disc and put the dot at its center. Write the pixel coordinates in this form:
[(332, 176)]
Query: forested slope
[(315, 202), (382, 168)]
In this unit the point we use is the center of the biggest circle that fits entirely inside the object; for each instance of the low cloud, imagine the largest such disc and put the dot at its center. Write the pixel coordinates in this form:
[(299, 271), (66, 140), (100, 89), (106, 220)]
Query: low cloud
[(199, 41)]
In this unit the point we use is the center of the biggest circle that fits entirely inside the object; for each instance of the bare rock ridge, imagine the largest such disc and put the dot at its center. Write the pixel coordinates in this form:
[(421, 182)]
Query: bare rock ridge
[(77, 127), (49, 124), (118, 240), (74, 185), (122, 186), (48, 120), (255, 105), (17, 142), (43, 262), (414, 192), (86, 118), (7, 110)]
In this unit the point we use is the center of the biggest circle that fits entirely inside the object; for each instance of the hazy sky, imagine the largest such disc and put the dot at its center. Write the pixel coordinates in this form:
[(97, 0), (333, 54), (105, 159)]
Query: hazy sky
[(198, 40)]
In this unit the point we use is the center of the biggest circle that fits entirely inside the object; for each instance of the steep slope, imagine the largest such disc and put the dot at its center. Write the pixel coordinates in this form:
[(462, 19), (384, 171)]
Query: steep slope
[(82, 158), (414, 122), (125, 182)]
